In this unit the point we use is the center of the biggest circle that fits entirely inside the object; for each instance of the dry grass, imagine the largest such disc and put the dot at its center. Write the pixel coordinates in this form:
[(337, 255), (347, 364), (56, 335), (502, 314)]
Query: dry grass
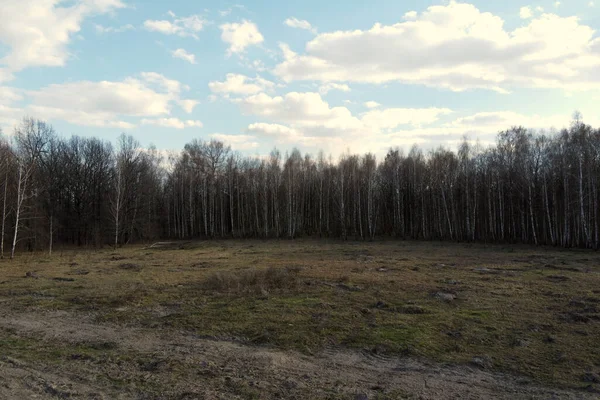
[(253, 281), (531, 311)]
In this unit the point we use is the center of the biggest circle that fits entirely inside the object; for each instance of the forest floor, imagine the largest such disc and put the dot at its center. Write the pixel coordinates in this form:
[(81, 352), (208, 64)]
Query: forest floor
[(304, 319)]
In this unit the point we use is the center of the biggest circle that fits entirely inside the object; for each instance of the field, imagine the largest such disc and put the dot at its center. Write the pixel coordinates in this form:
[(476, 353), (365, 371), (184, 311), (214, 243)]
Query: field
[(301, 319)]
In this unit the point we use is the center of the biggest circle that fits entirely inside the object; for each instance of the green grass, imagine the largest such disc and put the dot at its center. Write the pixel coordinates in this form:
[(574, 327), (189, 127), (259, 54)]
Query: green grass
[(537, 314)]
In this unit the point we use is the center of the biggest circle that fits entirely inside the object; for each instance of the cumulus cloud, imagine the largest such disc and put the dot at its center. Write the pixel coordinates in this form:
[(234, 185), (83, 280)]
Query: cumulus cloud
[(308, 120), (188, 105), (9, 114), (300, 24), (181, 26), (310, 110), (100, 29), (107, 103), (326, 88), (38, 32), (241, 84), (172, 123), (457, 47), (390, 118), (501, 120), (525, 13), (240, 35), (372, 104), (286, 136), (182, 54), (302, 109), (237, 142), (305, 119)]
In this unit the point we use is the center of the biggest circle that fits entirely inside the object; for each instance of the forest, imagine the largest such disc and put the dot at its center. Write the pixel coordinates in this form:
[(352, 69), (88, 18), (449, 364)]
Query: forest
[(530, 187)]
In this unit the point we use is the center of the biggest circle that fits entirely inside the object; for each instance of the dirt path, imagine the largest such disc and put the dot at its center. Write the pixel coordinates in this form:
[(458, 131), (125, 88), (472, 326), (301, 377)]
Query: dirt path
[(178, 366)]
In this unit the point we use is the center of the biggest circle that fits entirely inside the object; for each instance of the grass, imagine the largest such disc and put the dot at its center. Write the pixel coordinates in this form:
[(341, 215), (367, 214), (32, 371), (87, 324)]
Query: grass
[(531, 311)]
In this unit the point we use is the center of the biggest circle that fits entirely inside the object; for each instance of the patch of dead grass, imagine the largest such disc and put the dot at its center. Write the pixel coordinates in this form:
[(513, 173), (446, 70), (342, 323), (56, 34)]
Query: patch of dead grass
[(252, 281)]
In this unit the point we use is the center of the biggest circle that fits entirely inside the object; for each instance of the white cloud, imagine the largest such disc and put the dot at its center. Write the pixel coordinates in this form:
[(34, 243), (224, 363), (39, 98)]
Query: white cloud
[(240, 35), (300, 24), (326, 88), (492, 122), (106, 103), (182, 26), (172, 123), (557, 4), (111, 29), (172, 86), (391, 118), (302, 109), (241, 84), (525, 13), (184, 55), (306, 119), (9, 95), (411, 15), (309, 110), (539, 9), (591, 4), (38, 32), (188, 105), (237, 142), (457, 47), (372, 104), (9, 115)]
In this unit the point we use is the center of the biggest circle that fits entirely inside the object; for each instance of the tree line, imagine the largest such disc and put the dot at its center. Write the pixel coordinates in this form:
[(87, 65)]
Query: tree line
[(529, 187)]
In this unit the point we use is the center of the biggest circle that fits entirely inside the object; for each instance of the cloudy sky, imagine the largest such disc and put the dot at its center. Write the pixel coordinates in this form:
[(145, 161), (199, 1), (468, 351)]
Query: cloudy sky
[(310, 74)]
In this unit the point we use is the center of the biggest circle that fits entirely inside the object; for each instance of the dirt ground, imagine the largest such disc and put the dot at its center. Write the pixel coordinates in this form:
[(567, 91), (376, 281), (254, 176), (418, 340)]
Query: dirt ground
[(52, 349), (224, 370)]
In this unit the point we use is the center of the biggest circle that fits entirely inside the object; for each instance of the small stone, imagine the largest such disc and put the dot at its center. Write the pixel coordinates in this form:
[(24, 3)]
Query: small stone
[(482, 361), (550, 339), (380, 304), (447, 297), (362, 396)]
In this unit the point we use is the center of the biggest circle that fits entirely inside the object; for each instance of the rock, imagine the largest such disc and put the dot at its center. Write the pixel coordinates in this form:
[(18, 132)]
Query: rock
[(361, 396), (550, 339), (30, 274), (380, 304), (482, 362), (447, 297)]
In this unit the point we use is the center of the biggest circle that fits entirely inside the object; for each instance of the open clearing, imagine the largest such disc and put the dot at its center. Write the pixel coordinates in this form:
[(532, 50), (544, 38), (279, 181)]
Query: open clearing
[(301, 319)]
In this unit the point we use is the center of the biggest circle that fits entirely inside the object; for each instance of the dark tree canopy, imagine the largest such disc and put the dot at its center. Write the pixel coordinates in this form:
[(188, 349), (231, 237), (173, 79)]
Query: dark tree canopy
[(527, 188)]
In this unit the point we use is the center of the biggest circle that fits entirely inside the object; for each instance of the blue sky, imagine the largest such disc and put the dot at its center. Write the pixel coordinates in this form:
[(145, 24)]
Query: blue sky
[(361, 77)]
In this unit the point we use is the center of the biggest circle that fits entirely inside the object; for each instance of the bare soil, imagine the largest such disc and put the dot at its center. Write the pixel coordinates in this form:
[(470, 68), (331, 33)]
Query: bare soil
[(227, 370)]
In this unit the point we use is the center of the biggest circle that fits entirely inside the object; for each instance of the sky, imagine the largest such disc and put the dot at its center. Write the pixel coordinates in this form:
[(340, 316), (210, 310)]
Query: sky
[(317, 75)]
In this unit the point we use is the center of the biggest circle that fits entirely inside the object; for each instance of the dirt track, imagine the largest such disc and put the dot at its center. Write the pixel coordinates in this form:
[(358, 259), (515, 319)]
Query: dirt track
[(226, 370)]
